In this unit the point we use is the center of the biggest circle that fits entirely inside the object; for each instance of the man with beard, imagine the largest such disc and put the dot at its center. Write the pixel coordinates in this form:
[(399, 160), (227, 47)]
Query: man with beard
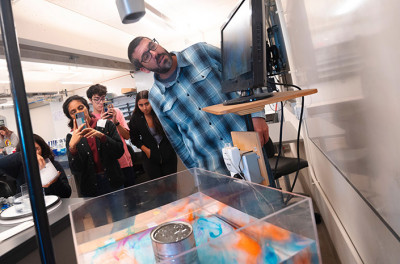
[(184, 83)]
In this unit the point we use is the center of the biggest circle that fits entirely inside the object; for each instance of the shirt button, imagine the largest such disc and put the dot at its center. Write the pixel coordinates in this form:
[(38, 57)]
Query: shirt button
[(177, 81), (221, 138), (199, 108), (187, 94), (210, 123)]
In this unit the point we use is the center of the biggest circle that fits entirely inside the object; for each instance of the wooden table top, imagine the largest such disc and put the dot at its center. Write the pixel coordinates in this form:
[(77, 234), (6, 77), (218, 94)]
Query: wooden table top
[(256, 106)]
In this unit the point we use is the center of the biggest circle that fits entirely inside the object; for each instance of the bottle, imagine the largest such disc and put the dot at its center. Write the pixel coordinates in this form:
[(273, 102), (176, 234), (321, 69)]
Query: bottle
[(59, 147)]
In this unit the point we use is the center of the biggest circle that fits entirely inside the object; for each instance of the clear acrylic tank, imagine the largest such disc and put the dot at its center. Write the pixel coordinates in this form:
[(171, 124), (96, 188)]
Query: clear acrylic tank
[(232, 221)]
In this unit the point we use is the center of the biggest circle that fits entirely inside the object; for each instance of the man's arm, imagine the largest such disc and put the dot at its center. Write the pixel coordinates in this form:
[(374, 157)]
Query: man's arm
[(119, 121), (214, 53), (261, 127), (259, 124)]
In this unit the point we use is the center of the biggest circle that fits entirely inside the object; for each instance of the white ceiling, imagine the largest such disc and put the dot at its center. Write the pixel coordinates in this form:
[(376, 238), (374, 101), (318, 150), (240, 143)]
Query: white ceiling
[(94, 28)]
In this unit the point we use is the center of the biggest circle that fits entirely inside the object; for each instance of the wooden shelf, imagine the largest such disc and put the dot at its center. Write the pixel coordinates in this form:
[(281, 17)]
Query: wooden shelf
[(252, 107)]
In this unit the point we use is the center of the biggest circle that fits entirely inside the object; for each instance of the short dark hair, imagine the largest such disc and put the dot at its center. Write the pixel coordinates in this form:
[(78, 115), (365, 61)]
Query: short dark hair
[(131, 48), (96, 89), (66, 104)]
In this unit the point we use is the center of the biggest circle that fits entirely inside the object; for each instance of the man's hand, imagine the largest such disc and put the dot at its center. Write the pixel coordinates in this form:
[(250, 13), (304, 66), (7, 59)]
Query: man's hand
[(261, 127)]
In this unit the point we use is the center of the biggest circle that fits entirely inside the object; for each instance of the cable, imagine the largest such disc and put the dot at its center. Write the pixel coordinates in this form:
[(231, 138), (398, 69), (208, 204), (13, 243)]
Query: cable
[(298, 133), (280, 141), (238, 168), (87, 86), (251, 185), (298, 144), (285, 84)]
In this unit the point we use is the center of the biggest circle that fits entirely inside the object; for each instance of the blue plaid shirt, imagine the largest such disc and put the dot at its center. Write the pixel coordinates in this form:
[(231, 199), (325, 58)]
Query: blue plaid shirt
[(197, 136)]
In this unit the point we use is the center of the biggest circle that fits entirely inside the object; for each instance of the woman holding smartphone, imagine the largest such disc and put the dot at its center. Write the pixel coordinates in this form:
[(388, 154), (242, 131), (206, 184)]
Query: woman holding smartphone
[(146, 133), (93, 149)]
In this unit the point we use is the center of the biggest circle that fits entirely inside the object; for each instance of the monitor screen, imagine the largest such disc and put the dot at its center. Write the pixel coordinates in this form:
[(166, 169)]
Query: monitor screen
[(237, 44), (243, 48)]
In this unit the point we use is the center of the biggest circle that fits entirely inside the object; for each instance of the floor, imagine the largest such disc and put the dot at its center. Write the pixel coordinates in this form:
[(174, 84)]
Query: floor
[(328, 252)]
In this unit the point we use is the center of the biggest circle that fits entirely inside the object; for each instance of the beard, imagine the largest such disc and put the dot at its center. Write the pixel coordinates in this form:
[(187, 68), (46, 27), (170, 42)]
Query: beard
[(163, 66)]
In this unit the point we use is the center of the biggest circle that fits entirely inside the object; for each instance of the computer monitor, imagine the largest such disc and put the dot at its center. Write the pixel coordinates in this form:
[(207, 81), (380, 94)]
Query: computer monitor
[(244, 53)]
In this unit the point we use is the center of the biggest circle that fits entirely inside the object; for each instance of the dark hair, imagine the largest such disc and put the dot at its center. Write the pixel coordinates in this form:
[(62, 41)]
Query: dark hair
[(66, 104), (96, 89), (47, 153), (8, 132), (138, 113), (131, 48)]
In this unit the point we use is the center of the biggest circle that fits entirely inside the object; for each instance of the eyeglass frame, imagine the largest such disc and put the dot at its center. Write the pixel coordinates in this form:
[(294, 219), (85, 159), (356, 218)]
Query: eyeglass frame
[(148, 51), (99, 99)]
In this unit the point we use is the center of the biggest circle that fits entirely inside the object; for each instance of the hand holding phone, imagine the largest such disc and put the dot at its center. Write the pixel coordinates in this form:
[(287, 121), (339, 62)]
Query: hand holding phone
[(107, 106)]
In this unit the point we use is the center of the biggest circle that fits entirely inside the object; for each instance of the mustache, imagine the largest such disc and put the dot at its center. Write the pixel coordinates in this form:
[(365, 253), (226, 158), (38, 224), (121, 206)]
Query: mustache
[(160, 55)]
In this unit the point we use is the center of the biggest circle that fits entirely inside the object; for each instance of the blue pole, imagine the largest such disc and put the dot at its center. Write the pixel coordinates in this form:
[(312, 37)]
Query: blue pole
[(24, 126)]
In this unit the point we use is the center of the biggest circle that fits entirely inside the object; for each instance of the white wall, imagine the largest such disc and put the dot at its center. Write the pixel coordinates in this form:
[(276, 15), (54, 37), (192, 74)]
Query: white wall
[(113, 86), (50, 122), (348, 50), (8, 113), (47, 121)]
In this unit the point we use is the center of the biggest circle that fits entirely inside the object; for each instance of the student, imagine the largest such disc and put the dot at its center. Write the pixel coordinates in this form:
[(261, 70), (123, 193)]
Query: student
[(7, 138), (12, 165), (159, 158), (97, 94), (93, 152), (184, 83)]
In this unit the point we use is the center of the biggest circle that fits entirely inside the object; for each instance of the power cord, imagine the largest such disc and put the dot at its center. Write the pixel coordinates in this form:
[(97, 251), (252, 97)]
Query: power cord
[(298, 133)]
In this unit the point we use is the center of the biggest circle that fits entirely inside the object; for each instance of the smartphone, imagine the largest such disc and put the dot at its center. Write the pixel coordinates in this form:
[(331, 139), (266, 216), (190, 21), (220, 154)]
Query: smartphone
[(106, 107), (80, 119)]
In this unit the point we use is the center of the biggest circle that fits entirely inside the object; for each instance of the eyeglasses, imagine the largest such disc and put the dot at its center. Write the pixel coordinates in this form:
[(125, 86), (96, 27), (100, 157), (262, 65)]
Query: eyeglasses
[(99, 99), (153, 45)]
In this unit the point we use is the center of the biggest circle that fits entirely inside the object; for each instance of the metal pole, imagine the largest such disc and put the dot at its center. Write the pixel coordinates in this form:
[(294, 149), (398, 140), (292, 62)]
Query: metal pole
[(24, 126)]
